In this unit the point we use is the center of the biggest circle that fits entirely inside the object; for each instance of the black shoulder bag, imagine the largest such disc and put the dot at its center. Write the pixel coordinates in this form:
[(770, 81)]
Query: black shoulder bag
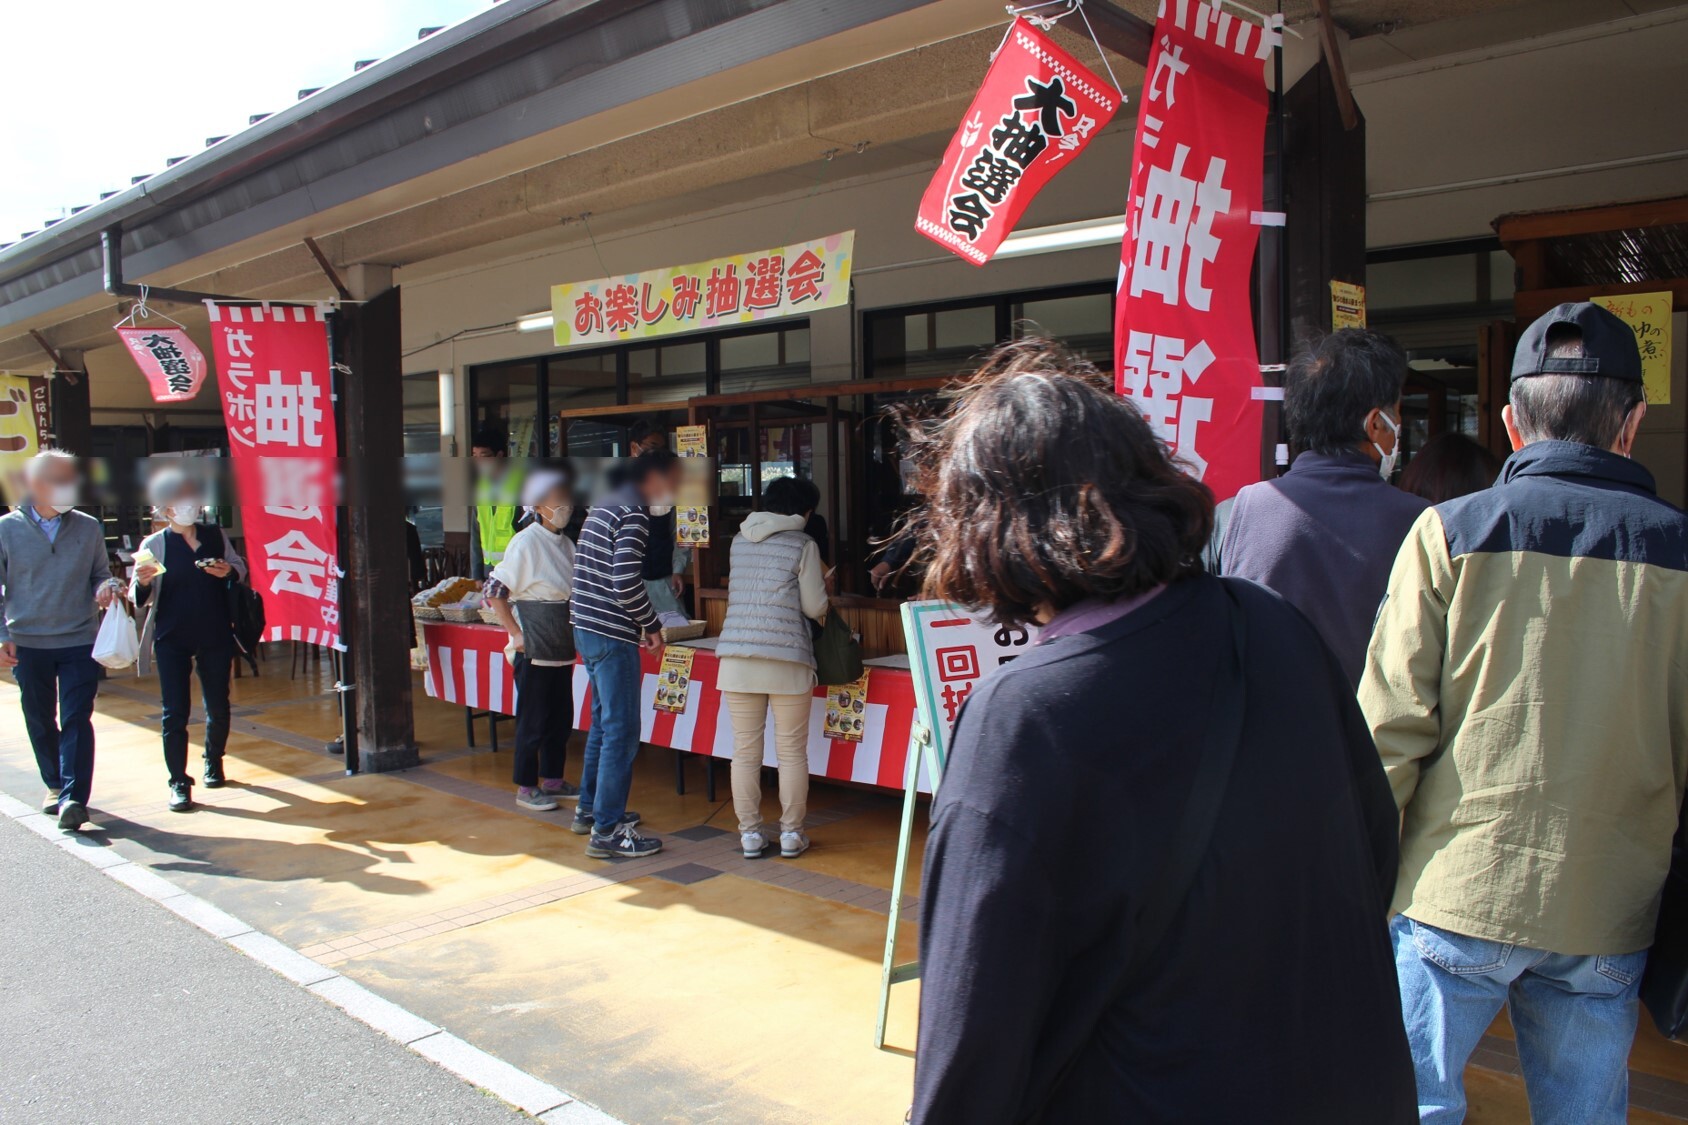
[(1191, 838)]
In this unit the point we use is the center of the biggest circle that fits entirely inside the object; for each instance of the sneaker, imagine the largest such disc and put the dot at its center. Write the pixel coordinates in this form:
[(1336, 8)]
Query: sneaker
[(559, 789), (584, 822), (73, 814), (535, 800), (755, 844), (214, 778), (50, 803), (793, 844), (181, 796), (624, 843)]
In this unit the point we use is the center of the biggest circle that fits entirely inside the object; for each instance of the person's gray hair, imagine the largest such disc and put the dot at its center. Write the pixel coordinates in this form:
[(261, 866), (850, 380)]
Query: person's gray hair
[(1586, 409), (166, 486), (32, 467)]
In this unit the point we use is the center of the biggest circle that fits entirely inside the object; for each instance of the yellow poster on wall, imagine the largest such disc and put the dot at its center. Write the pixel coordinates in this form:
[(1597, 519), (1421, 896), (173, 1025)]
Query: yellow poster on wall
[(761, 285), (1648, 316), (691, 523), (23, 429), (1347, 305)]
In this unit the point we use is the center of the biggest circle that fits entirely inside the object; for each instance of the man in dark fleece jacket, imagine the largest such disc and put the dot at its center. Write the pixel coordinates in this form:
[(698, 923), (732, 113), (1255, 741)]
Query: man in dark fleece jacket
[(1325, 534), (53, 573)]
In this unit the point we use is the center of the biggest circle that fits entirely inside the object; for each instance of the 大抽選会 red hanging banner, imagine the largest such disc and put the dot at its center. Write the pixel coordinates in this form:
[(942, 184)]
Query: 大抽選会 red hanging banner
[(1037, 110)]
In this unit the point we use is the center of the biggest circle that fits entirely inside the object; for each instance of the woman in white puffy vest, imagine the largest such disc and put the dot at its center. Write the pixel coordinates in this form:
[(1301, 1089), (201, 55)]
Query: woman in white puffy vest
[(776, 587)]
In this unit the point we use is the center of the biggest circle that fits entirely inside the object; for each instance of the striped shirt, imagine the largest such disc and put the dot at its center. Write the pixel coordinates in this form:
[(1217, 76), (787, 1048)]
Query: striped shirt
[(609, 591)]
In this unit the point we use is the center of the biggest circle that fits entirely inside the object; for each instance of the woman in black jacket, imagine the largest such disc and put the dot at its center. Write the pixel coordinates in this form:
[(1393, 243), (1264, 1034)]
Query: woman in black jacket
[(1161, 856)]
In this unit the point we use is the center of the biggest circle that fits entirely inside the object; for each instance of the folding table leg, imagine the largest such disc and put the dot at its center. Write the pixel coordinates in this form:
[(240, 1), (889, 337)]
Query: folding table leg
[(680, 772), (469, 724)]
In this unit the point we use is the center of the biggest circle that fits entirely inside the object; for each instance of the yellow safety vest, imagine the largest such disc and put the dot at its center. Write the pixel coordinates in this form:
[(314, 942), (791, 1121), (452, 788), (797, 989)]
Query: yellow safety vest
[(495, 515)]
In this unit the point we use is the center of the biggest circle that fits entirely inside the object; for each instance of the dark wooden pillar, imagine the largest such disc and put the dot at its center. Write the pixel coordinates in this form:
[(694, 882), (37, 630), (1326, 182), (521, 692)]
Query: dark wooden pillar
[(73, 415), (378, 569), (1325, 201)]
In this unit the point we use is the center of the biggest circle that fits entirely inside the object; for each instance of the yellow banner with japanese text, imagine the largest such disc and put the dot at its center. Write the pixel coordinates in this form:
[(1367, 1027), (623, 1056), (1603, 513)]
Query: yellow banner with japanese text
[(739, 289), (1648, 316)]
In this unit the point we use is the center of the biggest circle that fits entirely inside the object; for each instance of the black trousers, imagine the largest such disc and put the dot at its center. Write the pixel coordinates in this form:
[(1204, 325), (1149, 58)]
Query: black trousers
[(544, 720), (176, 666)]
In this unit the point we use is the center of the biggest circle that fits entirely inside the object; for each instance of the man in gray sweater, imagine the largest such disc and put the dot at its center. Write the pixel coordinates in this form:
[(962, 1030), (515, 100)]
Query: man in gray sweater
[(53, 573)]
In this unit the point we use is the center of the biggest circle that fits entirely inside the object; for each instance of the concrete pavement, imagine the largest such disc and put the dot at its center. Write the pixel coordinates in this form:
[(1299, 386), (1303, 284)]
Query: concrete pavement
[(115, 1009)]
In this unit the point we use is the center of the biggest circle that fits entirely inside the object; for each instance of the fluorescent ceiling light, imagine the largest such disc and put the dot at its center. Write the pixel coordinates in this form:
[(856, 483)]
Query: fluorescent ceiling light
[(1065, 236), (538, 322)]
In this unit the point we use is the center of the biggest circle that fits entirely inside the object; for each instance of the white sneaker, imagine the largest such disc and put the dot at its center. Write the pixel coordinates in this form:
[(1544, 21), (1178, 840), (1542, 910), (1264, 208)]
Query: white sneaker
[(755, 844), (793, 844)]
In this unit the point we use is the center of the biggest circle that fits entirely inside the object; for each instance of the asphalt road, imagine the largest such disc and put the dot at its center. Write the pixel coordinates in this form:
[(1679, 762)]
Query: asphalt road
[(112, 1009)]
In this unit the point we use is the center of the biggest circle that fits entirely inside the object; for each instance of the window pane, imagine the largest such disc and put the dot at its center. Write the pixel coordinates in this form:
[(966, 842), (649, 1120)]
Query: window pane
[(753, 362), (422, 412), (670, 374), (1418, 282), (921, 344), (1084, 323), (507, 400)]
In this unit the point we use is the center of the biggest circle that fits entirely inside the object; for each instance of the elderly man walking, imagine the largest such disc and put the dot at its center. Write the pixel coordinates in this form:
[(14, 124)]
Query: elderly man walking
[(1525, 688), (53, 572)]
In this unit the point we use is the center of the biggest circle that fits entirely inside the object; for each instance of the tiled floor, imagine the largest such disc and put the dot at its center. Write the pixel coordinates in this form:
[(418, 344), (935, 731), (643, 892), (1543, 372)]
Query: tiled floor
[(692, 986)]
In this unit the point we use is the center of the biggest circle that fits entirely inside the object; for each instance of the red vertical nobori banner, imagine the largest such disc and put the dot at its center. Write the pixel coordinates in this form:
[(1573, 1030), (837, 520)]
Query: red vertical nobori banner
[(1184, 345), (275, 381), (1035, 112)]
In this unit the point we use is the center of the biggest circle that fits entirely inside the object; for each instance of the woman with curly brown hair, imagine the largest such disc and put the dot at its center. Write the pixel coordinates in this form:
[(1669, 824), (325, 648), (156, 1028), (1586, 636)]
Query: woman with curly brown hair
[(1162, 853)]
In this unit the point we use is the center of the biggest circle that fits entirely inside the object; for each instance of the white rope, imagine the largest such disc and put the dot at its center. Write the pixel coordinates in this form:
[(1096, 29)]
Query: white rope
[(142, 310)]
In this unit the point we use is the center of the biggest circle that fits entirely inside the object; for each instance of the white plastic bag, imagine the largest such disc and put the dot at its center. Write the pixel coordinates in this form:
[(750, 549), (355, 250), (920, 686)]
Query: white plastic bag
[(117, 646)]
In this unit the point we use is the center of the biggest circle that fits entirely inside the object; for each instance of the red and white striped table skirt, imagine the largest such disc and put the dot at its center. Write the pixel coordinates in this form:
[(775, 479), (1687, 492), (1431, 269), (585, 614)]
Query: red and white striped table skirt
[(466, 665)]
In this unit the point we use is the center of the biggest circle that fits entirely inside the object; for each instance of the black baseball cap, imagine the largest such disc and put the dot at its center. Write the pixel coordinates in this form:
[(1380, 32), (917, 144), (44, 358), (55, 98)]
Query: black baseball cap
[(1609, 348)]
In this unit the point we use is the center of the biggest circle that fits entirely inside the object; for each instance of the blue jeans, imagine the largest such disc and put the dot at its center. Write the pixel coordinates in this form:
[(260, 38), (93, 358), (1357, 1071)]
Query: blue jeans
[(613, 741), (1574, 1017), (58, 686)]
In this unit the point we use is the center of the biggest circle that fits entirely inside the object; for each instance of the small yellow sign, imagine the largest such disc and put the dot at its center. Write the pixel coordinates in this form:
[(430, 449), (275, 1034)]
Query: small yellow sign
[(691, 525), (1347, 305), (1648, 316), (846, 709), (674, 678)]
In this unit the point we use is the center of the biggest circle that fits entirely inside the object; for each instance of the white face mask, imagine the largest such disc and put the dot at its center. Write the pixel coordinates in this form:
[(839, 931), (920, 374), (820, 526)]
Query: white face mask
[(62, 496), (557, 516), (661, 509), (182, 515), (1386, 466)]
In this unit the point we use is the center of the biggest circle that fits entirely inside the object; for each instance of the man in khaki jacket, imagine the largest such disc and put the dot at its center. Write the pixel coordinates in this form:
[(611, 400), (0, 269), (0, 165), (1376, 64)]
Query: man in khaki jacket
[(1527, 685)]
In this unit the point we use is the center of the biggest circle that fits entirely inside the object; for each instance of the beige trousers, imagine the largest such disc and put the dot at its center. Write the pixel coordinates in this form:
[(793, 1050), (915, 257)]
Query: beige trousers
[(749, 713)]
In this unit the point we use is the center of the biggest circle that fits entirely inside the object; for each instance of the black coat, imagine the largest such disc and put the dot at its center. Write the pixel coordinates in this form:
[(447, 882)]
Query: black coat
[(1272, 999)]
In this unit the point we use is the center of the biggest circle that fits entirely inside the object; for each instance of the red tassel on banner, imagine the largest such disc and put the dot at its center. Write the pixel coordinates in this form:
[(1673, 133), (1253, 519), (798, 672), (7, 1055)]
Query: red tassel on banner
[(1184, 345), (1037, 110)]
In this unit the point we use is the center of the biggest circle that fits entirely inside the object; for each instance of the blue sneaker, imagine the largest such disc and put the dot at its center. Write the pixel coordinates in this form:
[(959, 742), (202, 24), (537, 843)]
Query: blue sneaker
[(624, 843)]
